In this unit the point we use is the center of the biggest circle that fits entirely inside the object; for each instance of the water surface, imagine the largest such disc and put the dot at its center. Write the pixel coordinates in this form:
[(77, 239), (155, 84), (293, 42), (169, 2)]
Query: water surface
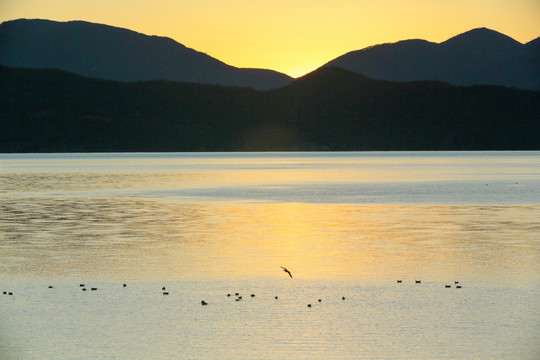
[(207, 224)]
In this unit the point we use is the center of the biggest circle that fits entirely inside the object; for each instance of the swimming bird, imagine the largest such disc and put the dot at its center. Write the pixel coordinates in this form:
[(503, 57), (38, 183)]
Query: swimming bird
[(458, 287), (165, 293), (447, 286), (418, 281), (308, 305), (125, 285), (275, 297), (343, 298), (50, 286), (204, 303), (287, 271), (399, 281)]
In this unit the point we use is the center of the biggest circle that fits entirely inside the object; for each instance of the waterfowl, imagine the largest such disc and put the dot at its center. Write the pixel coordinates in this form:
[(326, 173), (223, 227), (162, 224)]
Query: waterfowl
[(124, 285), (287, 271), (252, 295), (204, 303), (458, 287), (343, 298), (399, 281), (447, 286), (417, 281), (93, 289), (308, 305), (50, 286), (165, 293), (275, 297)]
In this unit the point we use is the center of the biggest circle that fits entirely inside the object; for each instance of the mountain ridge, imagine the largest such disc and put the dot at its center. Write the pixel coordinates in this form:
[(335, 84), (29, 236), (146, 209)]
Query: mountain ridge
[(108, 52), (328, 109), (482, 35), (477, 57)]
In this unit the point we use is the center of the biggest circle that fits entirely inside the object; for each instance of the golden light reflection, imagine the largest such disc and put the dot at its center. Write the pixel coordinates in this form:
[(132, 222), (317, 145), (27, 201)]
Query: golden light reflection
[(368, 243), (194, 216), (159, 238)]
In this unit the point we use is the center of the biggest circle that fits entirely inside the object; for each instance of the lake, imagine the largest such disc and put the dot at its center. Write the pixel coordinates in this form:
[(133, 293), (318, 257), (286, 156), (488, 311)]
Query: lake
[(347, 225)]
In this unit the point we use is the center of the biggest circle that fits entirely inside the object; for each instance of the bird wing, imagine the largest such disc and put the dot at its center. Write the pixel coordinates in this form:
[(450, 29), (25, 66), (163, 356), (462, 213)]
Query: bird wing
[(287, 271)]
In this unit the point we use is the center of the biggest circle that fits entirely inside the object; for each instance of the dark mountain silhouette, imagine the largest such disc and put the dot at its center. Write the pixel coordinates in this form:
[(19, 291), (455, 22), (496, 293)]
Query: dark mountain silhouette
[(107, 52), (329, 109), (479, 56)]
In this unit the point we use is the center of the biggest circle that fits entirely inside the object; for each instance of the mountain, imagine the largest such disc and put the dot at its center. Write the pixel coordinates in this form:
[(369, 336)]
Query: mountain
[(479, 56), (107, 52), (328, 109)]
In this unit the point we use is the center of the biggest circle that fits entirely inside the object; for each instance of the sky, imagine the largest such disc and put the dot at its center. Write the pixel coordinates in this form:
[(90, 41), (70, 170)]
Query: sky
[(290, 36)]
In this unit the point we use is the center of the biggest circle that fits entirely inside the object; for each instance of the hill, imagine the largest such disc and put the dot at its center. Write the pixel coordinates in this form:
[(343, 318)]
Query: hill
[(480, 56), (329, 109), (112, 53)]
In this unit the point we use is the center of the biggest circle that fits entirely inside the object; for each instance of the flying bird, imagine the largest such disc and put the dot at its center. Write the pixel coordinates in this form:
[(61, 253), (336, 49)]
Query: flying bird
[(287, 271)]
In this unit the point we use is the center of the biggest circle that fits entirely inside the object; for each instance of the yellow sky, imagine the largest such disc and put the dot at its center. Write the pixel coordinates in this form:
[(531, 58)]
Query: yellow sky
[(290, 36)]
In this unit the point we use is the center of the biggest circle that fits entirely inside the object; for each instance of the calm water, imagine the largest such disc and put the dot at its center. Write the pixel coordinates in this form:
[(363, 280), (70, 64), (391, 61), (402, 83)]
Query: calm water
[(205, 225)]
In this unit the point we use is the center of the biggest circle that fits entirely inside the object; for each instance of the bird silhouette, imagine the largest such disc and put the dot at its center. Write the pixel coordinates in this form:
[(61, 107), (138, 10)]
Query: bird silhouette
[(287, 271)]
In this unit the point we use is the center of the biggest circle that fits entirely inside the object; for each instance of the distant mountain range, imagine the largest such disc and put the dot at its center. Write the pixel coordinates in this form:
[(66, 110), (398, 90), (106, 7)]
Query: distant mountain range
[(480, 56), (328, 109), (107, 52), (78, 86)]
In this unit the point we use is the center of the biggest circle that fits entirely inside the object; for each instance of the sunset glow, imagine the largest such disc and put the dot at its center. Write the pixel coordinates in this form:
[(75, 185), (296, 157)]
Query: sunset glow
[(290, 37)]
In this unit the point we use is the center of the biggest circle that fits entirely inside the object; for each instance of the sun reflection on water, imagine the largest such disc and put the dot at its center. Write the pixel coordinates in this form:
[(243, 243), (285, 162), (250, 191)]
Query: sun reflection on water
[(207, 225), (153, 238), (365, 216)]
